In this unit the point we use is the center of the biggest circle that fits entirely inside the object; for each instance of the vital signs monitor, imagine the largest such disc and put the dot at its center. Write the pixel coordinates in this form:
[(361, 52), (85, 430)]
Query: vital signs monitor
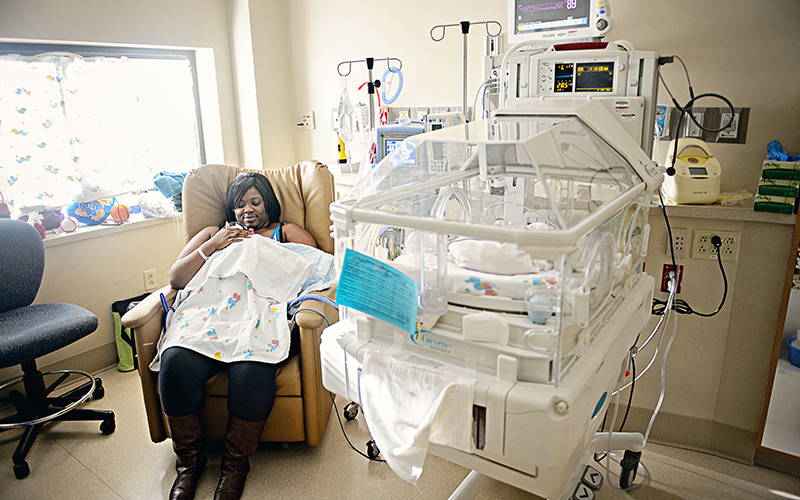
[(553, 20)]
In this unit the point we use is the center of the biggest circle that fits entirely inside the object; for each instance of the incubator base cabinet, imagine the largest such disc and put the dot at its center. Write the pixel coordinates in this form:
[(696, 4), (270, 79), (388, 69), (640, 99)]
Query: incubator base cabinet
[(536, 224)]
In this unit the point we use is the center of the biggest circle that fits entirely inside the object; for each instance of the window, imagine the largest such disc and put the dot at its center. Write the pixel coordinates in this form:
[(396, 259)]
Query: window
[(79, 123)]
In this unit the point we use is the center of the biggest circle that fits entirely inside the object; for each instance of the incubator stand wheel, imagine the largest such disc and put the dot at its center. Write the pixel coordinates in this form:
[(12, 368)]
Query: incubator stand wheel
[(372, 450), (350, 411), (629, 464)]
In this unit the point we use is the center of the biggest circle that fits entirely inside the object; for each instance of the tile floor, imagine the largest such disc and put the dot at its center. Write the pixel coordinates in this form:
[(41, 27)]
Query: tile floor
[(72, 460)]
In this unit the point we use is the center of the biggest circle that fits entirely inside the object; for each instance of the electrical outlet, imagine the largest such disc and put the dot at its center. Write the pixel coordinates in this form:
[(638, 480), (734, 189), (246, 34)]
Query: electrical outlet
[(665, 277), (703, 249), (306, 120), (149, 280), (680, 242)]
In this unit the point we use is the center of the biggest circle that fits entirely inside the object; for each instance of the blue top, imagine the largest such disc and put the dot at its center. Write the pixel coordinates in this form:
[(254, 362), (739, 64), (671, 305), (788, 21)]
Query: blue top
[(276, 234)]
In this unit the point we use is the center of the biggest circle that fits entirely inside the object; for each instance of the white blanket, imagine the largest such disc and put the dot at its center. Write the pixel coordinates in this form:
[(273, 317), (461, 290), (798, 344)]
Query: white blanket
[(234, 309), (407, 405)]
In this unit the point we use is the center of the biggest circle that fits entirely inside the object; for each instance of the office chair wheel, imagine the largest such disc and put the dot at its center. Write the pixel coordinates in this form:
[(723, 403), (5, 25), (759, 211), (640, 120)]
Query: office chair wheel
[(21, 471), (350, 411), (372, 450), (108, 426), (99, 390)]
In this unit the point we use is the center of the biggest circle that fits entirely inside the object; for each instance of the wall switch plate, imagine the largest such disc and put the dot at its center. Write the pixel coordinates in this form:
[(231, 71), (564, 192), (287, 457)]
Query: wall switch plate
[(680, 242), (306, 120), (703, 249), (149, 280)]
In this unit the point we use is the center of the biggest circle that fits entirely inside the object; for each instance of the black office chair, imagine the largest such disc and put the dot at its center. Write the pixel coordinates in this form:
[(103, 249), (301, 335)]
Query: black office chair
[(30, 331)]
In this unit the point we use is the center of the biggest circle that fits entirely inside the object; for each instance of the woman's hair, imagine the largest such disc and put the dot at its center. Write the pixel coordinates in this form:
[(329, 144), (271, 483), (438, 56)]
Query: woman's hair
[(239, 187)]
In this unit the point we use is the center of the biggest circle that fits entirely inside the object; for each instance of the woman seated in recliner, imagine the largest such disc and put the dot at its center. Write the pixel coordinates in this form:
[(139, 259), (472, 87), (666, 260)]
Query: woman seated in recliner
[(223, 319)]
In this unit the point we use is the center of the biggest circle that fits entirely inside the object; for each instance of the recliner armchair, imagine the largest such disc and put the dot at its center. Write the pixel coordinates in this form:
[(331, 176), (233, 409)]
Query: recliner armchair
[(302, 405), (30, 331)]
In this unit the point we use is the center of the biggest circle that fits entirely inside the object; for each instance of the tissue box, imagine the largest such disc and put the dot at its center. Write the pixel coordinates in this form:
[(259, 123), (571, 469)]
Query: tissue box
[(779, 187), (776, 204)]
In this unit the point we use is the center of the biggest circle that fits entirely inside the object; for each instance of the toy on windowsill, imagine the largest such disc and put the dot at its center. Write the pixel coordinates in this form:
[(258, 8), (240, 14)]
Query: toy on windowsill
[(120, 212), (51, 218), (69, 224), (91, 213), (35, 220)]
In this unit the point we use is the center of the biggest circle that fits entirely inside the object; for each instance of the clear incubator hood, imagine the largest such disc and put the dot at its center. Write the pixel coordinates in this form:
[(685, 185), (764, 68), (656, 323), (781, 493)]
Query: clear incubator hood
[(540, 218)]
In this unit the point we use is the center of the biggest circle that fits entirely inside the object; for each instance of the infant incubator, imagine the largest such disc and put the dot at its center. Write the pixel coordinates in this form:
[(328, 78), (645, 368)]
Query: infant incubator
[(526, 235)]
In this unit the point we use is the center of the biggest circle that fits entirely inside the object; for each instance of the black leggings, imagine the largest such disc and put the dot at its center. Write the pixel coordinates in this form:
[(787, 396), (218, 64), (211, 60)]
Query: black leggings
[(251, 384)]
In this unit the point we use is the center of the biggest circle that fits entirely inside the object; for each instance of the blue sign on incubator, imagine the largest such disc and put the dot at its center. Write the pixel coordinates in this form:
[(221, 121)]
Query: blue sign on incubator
[(370, 286)]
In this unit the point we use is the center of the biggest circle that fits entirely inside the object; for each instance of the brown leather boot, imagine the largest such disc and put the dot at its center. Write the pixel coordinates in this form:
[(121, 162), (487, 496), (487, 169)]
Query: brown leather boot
[(241, 441), (190, 462)]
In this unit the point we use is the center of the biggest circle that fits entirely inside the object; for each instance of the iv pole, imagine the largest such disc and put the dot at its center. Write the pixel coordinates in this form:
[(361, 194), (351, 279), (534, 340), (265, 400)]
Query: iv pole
[(371, 84), (465, 25)]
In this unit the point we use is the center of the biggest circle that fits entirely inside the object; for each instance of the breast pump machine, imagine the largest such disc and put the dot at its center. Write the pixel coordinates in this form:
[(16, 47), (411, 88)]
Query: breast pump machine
[(562, 174), (697, 173)]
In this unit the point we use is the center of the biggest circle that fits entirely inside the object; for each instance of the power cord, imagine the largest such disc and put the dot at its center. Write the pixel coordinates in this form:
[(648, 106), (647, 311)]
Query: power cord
[(686, 109), (341, 426), (683, 307)]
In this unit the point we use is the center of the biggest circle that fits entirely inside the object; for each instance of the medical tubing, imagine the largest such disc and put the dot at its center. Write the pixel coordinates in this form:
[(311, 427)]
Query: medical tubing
[(341, 426), (399, 73), (663, 379), (663, 321), (630, 395), (611, 430), (328, 323)]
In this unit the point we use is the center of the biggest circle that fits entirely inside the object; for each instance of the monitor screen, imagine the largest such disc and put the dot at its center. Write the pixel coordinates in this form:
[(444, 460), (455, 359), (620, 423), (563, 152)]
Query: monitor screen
[(533, 16), (390, 145), (594, 77), (698, 171), (564, 74)]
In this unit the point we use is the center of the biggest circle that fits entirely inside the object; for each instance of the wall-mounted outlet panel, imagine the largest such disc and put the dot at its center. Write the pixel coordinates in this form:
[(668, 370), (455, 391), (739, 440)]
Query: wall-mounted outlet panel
[(305, 120), (149, 277), (703, 249), (668, 268), (680, 242)]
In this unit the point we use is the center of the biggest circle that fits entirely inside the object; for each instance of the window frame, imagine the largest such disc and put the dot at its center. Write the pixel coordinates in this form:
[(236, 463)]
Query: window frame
[(33, 49)]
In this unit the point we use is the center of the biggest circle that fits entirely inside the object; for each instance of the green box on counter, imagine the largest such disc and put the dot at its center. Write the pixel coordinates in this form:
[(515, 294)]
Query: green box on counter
[(779, 187), (776, 204), (780, 170)]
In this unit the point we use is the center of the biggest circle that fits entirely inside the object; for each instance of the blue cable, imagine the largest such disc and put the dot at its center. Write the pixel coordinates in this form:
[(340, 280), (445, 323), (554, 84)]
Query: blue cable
[(392, 69), (327, 323), (324, 300)]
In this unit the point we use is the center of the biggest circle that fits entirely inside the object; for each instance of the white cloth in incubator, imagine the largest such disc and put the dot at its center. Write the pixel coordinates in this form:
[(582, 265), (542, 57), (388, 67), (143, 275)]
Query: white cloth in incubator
[(494, 257), (234, 308), (407, 405), (511, 286)]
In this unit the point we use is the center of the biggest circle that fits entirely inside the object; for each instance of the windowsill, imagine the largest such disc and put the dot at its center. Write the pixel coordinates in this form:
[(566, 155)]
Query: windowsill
[(84, 233)]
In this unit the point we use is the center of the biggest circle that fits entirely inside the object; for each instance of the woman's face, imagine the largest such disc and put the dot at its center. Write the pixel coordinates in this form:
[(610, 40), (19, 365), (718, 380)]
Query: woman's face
[(250, 210)]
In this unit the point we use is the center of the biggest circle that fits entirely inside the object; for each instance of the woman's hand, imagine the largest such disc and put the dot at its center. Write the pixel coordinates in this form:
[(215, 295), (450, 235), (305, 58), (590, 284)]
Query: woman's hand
[(224, 237)]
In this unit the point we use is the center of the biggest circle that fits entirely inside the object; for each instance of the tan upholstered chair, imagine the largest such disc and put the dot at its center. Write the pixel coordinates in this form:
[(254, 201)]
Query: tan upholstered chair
[(302, 405)]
